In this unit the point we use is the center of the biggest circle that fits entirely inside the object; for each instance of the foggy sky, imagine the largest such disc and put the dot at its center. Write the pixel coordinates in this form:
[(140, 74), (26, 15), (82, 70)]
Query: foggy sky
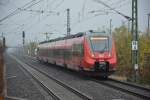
[(34, 24)]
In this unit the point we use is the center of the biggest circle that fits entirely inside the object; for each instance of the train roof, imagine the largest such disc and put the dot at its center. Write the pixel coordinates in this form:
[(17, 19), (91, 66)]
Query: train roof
[(63, 38), (103, 33)]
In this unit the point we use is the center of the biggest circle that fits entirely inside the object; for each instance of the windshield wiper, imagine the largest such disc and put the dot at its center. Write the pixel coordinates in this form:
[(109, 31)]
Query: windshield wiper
[(92, 47), (105, 47)]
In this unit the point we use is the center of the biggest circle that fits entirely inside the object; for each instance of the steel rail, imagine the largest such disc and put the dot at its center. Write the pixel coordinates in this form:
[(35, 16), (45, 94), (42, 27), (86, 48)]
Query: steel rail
[(125, 84), (55, 97), (131, 84), (75, 91), (125, 87)]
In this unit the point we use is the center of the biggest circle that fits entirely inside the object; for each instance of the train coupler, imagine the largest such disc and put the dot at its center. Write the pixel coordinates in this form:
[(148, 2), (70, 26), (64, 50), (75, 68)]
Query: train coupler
[(101, 66)]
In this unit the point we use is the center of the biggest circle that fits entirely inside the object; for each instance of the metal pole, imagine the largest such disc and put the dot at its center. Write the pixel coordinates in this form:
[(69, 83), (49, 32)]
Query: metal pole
[(135, 39), (2, 34), (23, 41), (128, 28), (4, 42), (68, 22), (110, 25), (23, 37), (47, 38)]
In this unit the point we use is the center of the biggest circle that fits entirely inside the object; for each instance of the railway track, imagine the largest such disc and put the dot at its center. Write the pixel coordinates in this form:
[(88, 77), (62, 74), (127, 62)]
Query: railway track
[(129, 88), (81, 96)]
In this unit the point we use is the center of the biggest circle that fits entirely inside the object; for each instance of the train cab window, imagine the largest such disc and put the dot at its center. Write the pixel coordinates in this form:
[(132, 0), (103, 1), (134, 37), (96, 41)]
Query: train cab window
[(99, 44)]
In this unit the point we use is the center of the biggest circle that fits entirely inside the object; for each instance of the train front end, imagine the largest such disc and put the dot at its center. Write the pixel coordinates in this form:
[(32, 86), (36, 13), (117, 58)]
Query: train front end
[(99, 54)]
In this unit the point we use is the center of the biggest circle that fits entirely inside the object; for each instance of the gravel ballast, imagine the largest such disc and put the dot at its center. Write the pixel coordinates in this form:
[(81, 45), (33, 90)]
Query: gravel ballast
[(95, 90), (20, 85)]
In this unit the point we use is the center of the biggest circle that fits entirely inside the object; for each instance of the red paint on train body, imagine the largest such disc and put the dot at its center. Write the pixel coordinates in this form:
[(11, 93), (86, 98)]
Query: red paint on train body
[(92, 52)]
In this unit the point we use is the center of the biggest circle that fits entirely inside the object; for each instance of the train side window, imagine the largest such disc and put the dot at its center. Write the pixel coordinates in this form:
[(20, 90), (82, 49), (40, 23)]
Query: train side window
[(81, 49), (78, 49)]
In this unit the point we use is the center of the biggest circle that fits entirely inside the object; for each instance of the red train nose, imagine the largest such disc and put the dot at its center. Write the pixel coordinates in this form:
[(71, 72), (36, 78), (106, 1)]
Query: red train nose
[(101, 55)]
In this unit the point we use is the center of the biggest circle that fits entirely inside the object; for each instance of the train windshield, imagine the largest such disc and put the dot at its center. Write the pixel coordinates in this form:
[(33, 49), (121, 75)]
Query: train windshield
[(99, 44)]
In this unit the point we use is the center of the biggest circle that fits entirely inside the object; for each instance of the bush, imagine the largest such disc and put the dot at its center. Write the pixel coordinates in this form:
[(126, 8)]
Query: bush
[(123, 47)]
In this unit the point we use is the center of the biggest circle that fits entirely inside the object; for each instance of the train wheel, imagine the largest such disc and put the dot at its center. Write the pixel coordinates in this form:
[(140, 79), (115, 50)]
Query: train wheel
[(39, 60), (105, 77)]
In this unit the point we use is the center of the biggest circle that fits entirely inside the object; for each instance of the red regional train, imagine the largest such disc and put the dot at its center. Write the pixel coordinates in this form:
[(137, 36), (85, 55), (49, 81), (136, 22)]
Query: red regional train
[(90, 52)]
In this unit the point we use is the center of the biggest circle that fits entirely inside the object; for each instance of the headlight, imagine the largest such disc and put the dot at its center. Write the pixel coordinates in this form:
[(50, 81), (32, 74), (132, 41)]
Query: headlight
[(109, 55), (92, 55)]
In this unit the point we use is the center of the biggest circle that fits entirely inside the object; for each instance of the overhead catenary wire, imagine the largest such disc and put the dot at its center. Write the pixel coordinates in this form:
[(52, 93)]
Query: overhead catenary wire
[(15, 11), (33, 4), (26, 22), (115, 4), (102, 12), (101, 2), (38, 11), (96, 15), (83, 7), (27, 5), (58, 5), (119, 3), (42, 11)]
